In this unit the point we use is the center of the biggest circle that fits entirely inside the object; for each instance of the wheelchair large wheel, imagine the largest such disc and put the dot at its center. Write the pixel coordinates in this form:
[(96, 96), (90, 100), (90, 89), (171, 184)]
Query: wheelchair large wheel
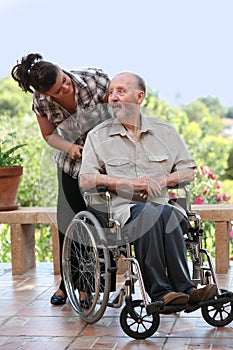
[(86, 264), (218, 315), (142, 325)]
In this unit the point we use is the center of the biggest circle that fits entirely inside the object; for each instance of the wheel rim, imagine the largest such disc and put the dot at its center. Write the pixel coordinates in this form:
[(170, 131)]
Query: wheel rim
[(140, 325), (85, 266), (219, 314)]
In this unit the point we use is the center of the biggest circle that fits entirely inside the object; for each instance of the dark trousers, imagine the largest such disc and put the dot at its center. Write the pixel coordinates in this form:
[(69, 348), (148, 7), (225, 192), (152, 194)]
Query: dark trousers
[(70, 202), (157, 234)]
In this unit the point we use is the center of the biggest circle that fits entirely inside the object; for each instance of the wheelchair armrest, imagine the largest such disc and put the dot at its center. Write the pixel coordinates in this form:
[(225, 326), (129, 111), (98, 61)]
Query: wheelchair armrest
[(182, 184), (132, 196), (127, 194), (100, 191), (96, 190)]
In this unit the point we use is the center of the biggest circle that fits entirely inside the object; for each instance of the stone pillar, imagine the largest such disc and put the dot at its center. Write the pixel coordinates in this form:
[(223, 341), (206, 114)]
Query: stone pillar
[(222, 243), (56, 254), (22, 248)]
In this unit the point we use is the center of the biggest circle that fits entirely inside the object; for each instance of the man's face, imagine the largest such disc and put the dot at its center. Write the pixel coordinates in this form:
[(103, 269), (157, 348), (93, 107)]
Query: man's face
[(124, 95)]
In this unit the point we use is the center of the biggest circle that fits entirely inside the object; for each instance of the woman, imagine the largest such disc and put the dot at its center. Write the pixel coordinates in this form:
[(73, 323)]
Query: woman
[(67, 106)]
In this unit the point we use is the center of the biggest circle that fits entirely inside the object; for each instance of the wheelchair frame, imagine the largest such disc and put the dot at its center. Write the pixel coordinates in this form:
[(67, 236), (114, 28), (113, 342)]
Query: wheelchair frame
[(90, 262)]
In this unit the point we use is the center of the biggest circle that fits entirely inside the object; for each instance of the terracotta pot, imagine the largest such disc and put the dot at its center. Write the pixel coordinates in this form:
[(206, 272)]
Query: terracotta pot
[(9, 184)]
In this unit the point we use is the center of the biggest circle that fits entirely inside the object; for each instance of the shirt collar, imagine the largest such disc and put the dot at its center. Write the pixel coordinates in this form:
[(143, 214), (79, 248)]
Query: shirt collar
[(118, 128), (75, 77)]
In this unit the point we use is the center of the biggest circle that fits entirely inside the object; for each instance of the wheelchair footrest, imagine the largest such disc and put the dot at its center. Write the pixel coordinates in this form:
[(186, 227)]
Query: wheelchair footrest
[(222, 298), (154, 307), (170, 309), (159, 307)]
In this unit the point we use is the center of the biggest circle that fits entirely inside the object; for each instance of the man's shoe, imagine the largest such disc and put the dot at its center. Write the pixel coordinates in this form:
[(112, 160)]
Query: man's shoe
[(175, 298), (202, 294)]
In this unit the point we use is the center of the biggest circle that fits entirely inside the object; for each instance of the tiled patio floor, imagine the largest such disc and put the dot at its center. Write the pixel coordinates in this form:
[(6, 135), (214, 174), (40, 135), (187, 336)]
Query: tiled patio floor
[(29, 322)]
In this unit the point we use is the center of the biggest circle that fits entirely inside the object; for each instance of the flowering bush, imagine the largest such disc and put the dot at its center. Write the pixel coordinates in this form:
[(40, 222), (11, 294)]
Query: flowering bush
[(206, 188)]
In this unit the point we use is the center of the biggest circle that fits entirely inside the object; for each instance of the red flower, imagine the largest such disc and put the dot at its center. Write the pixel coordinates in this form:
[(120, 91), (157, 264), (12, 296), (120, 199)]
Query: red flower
[(199, 200), (218, 184)]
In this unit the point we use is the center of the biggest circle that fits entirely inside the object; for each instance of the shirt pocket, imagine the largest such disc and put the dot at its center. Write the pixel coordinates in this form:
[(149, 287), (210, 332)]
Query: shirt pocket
[(158, 165), (118, 166), (160, 158)]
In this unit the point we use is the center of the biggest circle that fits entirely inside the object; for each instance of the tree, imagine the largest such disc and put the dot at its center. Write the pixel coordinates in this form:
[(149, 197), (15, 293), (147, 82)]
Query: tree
[(214, 106), (229, 170), (158, 108), (229, 113), (198, 112), (13, 101)]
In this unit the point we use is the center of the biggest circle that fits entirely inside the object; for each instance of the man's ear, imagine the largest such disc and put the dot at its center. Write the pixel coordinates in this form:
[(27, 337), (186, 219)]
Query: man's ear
[(141, 96)]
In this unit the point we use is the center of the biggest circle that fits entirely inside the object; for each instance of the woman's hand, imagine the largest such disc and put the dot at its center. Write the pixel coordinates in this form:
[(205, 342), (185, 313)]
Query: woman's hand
[(75, 151)]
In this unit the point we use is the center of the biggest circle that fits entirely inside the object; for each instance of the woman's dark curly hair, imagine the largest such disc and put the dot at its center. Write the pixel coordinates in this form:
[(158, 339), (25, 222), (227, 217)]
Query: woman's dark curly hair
[(34, 73)]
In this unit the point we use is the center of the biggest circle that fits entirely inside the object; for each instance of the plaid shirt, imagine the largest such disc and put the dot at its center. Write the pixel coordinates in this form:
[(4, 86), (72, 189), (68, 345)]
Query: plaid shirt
[(90, 88)]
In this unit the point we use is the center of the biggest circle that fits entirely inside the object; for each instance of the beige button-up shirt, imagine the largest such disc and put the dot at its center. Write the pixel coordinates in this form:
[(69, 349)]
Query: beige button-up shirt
[(110, 150)]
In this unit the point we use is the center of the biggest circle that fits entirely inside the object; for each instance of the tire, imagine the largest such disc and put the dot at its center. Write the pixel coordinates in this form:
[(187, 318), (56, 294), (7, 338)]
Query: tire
[(219, 314), (86, 263), (144, 326)]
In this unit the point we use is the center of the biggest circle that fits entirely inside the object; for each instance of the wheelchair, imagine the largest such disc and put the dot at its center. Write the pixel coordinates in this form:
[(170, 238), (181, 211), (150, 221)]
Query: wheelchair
[(91, 252)]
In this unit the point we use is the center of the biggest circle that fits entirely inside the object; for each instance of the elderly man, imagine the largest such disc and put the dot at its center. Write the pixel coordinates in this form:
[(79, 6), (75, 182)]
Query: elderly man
[(137, 153)]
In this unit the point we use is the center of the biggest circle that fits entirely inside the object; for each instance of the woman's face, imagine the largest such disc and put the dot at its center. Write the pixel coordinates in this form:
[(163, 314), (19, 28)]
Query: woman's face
[(63, 86)]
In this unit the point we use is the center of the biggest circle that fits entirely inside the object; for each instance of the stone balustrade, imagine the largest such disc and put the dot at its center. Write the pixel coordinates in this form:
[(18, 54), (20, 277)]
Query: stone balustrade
[(22, 223)]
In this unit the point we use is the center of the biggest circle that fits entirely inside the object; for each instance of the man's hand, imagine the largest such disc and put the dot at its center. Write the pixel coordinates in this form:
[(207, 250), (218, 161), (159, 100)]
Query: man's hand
[(148, 187)]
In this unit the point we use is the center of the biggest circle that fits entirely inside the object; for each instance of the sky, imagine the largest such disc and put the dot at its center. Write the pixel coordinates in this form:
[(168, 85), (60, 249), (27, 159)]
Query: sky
[(182, 48)]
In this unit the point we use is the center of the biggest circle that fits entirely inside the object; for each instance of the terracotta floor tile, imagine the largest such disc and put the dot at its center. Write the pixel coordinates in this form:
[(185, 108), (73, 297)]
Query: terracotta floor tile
[(35, 343), (112, 343), (198, 344), (28, 320), (104, 328)]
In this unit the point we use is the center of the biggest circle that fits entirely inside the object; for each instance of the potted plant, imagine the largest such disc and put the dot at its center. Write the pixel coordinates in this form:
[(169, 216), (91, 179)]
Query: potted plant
[(10, 171)]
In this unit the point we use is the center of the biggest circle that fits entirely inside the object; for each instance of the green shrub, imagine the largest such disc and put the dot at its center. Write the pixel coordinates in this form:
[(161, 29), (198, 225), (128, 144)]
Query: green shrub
[(38, 185)]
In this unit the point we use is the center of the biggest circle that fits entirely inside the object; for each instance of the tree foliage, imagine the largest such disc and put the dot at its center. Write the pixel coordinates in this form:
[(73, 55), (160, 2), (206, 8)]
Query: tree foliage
[(210, 124), (214, 106), (200, 125), (13, 101)]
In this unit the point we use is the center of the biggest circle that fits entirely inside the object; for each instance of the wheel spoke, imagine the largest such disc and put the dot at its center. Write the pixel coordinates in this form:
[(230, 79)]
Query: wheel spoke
[(133, 321), (215, 314)]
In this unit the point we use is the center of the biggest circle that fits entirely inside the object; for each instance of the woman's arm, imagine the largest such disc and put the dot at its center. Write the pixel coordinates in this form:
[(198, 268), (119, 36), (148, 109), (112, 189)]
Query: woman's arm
[(56, 141)]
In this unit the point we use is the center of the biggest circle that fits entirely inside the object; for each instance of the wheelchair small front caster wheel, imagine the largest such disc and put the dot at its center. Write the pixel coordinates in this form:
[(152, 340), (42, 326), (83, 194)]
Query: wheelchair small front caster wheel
[(218, 315), (140, 325)]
